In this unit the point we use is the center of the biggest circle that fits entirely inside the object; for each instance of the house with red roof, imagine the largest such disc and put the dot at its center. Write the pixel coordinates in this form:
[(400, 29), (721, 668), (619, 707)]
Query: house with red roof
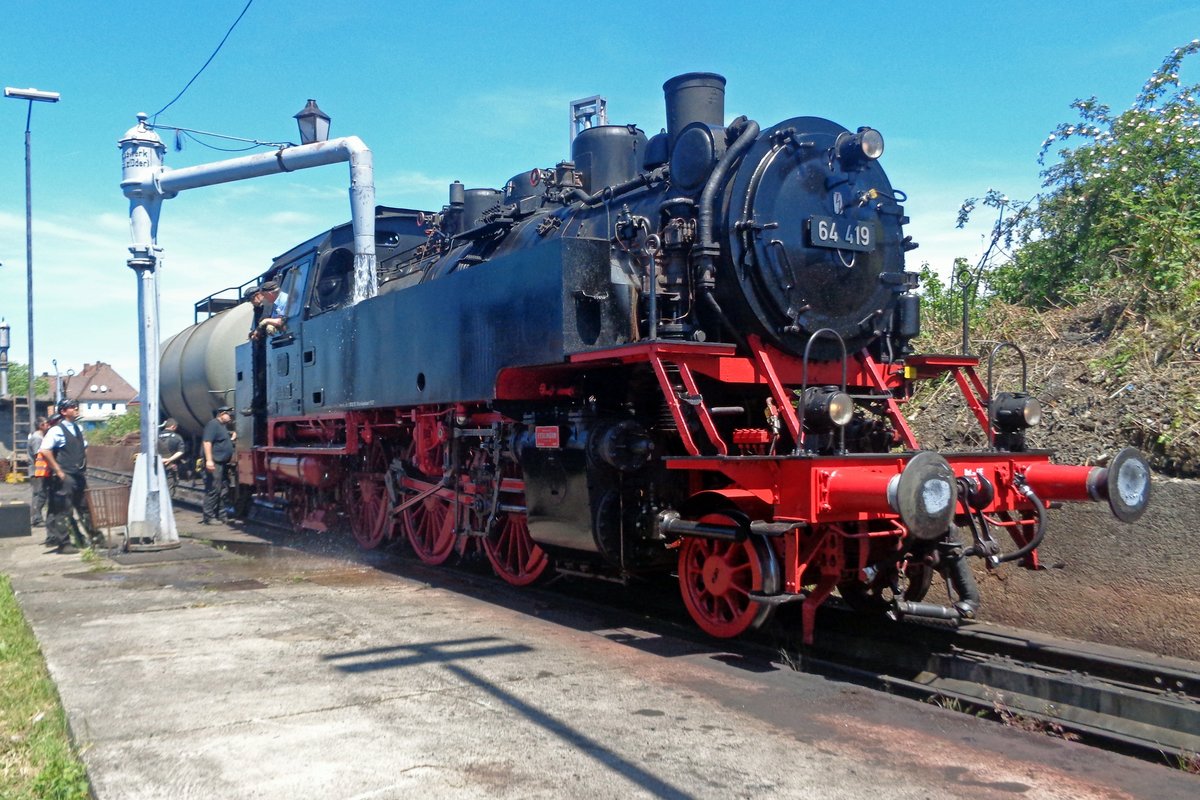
[(102, 393)]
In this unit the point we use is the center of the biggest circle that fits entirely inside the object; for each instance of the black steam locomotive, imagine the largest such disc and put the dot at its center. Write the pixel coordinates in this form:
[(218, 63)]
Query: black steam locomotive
[(685, 352)]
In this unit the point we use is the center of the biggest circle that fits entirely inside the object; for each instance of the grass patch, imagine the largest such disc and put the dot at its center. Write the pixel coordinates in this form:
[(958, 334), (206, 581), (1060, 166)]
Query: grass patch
[(36, 758)]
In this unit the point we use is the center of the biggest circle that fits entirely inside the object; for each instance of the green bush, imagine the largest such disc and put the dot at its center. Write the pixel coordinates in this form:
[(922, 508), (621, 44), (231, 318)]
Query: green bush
[(117, 428), (1120, 206)]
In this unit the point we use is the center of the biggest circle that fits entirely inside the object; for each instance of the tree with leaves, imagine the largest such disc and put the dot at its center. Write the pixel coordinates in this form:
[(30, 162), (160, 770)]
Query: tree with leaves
[(1120, 206), (118, 429), (18, 381)]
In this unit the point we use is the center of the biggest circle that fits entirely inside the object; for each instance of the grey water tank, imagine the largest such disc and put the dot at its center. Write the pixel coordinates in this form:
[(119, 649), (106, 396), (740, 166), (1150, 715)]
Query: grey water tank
[(197, 372)]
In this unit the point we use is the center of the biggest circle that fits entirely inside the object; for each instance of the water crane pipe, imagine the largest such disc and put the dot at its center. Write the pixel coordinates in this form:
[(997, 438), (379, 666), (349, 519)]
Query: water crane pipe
[(146, 182)]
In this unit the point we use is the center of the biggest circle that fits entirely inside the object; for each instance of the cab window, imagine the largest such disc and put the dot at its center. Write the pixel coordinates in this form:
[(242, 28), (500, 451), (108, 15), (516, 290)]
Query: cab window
[(335, 282), (292, 281)]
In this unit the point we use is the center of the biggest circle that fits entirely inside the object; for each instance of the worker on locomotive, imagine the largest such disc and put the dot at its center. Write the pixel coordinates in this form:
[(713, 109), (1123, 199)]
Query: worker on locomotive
[(688, 352)]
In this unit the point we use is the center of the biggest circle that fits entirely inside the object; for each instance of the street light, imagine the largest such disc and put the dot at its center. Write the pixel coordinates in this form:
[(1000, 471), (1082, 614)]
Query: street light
[(32, 95), (4, 343), (314, 124)]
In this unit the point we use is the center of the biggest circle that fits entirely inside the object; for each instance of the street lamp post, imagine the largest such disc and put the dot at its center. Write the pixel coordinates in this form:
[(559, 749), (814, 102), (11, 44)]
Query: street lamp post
[(313, 123), (4, 340), (32, 96)]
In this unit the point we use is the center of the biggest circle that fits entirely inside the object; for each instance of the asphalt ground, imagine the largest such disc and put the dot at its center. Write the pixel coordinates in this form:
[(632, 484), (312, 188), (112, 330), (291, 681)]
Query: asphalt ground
[(240, 667)]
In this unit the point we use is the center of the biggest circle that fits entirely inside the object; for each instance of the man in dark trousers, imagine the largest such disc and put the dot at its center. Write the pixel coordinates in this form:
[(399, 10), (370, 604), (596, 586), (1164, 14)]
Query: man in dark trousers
[(65, 450), (171, 450), (218, 453), (262, 323), (38, 471)]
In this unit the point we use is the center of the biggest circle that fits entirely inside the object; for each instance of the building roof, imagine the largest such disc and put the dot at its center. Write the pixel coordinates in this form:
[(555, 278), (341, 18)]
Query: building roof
[(98, 383)]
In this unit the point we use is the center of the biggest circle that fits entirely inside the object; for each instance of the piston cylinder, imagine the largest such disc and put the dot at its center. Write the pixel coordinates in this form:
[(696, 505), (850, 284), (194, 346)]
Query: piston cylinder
[(313, 471)]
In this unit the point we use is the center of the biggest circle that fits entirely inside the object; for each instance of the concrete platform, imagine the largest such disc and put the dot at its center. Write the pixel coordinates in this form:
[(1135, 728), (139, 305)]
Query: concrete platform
[(245, 669)]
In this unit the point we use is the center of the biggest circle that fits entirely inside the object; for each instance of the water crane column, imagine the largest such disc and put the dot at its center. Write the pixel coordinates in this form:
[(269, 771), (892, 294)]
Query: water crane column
[(146, 182)]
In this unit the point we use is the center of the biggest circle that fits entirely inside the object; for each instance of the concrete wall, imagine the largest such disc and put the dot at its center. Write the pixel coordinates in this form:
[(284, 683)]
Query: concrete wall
[(1135, 585)]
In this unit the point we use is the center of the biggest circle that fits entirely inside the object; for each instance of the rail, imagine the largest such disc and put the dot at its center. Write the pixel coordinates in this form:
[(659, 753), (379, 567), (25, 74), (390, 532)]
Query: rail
[(1123, 700)]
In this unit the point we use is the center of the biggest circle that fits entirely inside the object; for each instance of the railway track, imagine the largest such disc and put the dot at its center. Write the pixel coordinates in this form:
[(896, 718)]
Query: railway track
[(1122, 700)]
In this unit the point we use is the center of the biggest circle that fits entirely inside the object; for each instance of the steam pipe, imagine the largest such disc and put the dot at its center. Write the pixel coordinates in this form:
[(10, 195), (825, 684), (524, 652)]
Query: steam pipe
[(706, 242), (711, 301), (609, 192), (670, 523), (652, 323), (958, 575), (168, 183)]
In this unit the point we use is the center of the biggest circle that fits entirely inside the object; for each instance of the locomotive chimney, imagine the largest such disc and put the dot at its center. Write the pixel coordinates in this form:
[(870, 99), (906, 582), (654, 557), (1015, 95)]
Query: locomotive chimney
[(694, 97)]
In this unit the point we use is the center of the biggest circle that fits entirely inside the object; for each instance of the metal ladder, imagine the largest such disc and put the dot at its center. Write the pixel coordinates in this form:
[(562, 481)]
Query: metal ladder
[(20, 438)]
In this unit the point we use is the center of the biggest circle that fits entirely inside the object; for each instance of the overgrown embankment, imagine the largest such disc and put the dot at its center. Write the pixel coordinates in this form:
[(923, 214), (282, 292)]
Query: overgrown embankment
[(1106, 375)]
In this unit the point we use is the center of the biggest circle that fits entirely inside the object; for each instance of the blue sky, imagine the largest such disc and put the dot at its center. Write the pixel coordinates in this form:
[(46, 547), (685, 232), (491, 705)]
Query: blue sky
[(963, 92)]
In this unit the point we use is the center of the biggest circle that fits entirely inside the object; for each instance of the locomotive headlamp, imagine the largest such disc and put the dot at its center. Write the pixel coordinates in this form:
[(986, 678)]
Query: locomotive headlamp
[(1014, 411), (865, 145), (826, 407)]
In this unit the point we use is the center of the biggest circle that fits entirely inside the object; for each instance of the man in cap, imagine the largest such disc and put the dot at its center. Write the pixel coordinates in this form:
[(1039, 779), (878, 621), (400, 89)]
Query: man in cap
[(268, 317), (170, 449), (64, 449), (265, 321), (218, 453)]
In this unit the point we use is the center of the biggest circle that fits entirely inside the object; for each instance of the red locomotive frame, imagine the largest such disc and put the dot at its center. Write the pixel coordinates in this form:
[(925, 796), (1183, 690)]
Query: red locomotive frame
[(779, 528)]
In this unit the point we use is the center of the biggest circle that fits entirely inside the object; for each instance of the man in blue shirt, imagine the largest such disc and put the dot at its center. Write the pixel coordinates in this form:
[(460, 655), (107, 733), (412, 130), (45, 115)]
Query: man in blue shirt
[(65, 450), (268, 299)]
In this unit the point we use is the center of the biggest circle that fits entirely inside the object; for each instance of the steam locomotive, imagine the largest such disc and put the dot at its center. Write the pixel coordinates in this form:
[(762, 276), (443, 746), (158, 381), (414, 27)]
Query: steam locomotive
[(687, 352)]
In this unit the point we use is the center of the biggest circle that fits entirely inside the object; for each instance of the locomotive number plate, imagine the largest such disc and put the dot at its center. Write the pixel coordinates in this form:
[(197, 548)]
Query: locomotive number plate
[(842, 234)]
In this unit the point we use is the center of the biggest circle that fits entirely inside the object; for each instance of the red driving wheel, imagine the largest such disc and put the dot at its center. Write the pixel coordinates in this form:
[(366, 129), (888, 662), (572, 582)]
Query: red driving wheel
[(429, 525), (716, 578), (370, 511), (514, 555)]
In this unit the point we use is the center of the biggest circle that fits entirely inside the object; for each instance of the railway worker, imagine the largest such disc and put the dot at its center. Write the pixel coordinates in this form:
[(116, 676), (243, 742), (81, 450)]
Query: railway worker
[(263, 297), (170, 449), (65, 450), (38, 470), (218, 454), (267, 299)]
